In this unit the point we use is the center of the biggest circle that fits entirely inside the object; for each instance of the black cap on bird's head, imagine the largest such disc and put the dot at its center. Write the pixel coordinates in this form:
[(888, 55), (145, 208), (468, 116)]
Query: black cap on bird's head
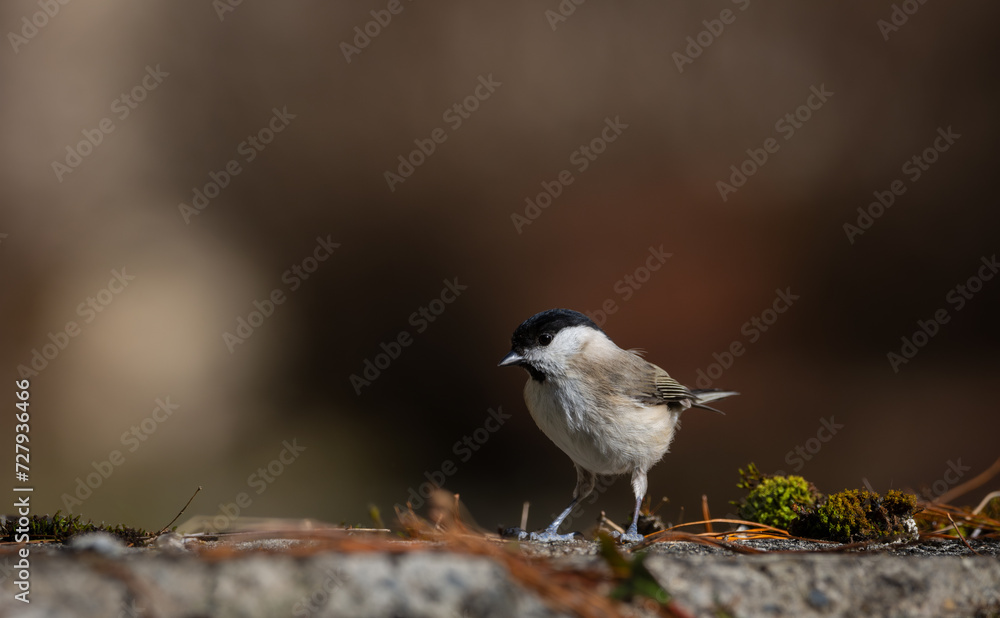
[(539, 330)]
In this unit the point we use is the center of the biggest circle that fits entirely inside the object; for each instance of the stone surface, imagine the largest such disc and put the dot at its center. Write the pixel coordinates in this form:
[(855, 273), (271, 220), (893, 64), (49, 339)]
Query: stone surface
[(287, 578)]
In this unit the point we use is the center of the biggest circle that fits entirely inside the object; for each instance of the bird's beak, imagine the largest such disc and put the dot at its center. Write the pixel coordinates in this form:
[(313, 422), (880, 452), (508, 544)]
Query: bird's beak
[(512, 358)]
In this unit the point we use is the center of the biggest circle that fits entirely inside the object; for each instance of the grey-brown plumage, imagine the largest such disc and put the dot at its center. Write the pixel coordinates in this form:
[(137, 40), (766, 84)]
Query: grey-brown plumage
[(609, 409)]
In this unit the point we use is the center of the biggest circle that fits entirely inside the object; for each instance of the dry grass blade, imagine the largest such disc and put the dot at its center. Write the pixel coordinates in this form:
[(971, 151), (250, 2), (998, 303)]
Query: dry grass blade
[(986, 500), (971, 484), (741, 522), (667, 536), (942, 515)]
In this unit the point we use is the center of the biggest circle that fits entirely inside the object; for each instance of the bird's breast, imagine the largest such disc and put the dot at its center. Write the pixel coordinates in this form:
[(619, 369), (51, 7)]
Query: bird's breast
[(598, 439)]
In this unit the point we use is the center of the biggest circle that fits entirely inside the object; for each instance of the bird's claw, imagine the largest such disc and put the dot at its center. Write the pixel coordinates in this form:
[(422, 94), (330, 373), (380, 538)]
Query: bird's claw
[(549, 536), (546, 536), (514, 533), (628, 537)]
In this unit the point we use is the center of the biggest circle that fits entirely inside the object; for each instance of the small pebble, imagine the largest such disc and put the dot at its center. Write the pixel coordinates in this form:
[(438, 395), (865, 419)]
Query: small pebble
[(99, 542)]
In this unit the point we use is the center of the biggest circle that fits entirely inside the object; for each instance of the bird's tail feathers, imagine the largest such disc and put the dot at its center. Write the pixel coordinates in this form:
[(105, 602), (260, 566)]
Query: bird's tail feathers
[(710, 394)]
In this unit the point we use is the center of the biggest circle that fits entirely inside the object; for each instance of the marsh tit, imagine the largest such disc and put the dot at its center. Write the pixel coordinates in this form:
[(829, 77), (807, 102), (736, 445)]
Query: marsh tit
[(607, 408)]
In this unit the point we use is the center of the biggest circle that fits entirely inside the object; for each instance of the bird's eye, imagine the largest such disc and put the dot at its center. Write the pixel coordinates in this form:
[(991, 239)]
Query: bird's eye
[(545, 339)]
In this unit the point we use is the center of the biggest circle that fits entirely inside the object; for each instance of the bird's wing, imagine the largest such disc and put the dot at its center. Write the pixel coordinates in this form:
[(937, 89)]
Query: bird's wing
[(655, 387), (658, 388), (668, 388)]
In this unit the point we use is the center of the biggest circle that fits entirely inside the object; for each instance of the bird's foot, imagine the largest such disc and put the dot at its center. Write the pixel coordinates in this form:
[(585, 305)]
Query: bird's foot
[(545, 536), (515, 533), (631, 536), (549, 536)]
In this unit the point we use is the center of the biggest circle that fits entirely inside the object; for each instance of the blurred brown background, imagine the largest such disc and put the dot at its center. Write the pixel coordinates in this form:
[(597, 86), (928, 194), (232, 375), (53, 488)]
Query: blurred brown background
[(212, 82)]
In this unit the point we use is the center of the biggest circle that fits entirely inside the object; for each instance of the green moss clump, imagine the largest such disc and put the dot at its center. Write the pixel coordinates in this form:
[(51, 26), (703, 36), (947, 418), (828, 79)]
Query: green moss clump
[(856, 515), (772, 499), (60, 528), (792, 503), (751, 478)]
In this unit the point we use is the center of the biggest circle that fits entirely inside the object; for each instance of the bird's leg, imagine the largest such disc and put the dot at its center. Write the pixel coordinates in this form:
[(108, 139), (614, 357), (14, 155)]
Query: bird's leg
[(584, 486), (551, 533), (639, 487)]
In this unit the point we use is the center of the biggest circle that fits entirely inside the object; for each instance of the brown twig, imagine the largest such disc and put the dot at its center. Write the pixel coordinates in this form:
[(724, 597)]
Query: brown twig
[(659, 504), (705, 514), (167, 527), (959, 531), (611, 524)]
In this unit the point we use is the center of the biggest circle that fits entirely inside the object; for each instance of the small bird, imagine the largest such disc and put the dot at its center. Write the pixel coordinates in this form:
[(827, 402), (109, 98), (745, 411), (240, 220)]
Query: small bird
[(607, 408)]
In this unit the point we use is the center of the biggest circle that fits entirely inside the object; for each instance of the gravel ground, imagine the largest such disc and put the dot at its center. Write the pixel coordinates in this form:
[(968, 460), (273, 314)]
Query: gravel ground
[(987, 548)]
